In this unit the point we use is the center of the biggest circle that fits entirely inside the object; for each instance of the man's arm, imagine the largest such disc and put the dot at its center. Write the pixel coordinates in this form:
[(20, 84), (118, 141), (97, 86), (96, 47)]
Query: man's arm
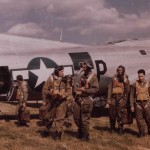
[(47, 88), (149, 88), (109, 93), (94, 86), (132, 97), (127, 88)]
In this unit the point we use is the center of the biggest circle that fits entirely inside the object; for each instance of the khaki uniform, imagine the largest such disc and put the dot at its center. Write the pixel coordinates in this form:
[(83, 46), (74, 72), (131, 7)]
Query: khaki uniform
[(139, 99), (44, 109), (117, 96), (22, 96), (54, 90), (69, 102), (84, 105)]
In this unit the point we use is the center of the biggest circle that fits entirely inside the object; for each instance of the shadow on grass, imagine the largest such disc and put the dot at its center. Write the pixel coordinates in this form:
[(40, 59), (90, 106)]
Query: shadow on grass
[(32, 104), (71, 133), (107, 129), (8, 117), (130, 131), (51, 134), (102, 128), (40, 123), (25, 124)]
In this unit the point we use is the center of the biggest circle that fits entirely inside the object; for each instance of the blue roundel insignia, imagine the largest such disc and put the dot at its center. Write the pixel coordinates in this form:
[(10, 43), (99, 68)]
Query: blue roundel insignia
[(40, 69)]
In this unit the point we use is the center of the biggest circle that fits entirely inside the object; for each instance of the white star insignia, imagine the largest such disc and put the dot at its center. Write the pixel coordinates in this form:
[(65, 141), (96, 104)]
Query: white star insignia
[(43, 73)]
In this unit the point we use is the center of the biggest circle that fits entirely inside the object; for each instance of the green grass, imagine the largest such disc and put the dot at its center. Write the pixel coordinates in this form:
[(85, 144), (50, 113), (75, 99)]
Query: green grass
[(23, 138)]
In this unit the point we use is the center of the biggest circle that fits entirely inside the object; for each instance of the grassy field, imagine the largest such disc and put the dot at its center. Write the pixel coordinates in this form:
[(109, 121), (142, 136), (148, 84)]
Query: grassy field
[(29, 138)]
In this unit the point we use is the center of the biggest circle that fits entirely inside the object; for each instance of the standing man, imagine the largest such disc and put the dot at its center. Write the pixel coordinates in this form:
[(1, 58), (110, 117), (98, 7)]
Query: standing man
[(22, 96), (88, 86), (54, 90), (118, 91), (139, 102)]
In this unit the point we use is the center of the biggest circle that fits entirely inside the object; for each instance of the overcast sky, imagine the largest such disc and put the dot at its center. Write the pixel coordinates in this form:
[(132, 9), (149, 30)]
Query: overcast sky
[(82, 21)]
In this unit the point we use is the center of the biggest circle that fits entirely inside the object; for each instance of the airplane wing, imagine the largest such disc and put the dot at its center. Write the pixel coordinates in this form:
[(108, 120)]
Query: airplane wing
[(12, 44)]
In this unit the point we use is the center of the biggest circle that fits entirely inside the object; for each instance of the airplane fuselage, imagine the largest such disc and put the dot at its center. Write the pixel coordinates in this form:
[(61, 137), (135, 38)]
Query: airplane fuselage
[(36, 64)]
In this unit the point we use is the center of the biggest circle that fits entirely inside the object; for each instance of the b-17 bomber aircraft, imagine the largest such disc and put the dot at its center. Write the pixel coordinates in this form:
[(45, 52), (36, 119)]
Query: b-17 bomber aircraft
[(35, 60)]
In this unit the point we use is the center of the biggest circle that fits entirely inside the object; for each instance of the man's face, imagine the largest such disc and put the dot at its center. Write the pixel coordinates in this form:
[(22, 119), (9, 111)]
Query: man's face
[(61, 73), (83, 67), (120, 71), (141, 77), (19, 82)]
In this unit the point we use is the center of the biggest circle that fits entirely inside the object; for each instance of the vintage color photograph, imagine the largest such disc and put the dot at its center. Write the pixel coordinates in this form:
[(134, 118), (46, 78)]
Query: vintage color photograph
[(74, 74)]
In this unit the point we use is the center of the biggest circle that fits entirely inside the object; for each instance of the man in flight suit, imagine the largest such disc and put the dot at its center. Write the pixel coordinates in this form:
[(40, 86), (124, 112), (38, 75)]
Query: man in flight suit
[(118, 91), (140, 103), (88, 86), (54, 90), (22, 96)]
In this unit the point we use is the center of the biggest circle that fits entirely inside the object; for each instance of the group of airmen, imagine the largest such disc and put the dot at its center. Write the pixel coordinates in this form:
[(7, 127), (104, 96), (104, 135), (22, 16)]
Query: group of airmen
[(64, 97)]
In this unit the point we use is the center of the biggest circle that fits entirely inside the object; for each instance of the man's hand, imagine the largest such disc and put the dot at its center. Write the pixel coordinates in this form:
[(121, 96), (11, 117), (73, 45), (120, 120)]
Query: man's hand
[(78, 89), (125, 97), (109, 102), (44, 103), (51, 93), (132, 109)]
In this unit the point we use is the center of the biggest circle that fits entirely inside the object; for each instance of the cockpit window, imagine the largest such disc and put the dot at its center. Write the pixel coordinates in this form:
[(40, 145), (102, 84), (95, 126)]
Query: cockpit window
[(80, 57), (143, 52)]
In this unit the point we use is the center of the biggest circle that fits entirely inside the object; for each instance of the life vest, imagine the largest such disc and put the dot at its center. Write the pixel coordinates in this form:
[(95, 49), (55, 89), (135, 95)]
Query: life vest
[(142, 91), (58, 87), (118, 87), (22, 91), (85, 80), (19, 95), (69, 92)]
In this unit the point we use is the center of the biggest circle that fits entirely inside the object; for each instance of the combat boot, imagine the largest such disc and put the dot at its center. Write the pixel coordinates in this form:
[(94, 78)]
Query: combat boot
[(79, 134), (148, 131), (58, 136), (112, 127), (120, 131), (85, 137), (41, 123), (48, 124), (25, 124), (19, 123), (140, 135), (45, 134)]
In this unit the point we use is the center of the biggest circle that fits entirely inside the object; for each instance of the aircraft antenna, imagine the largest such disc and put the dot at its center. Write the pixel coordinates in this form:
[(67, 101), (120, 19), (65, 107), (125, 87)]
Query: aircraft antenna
[(61, 35)]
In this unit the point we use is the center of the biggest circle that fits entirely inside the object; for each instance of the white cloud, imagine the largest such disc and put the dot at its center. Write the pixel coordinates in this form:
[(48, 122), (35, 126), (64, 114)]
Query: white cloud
[(28, 29), (83, 18)]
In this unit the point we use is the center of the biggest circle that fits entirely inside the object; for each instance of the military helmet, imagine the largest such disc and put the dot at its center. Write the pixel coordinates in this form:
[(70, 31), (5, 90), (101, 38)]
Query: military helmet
[(19, 77), (85, 63), (57, 69)]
